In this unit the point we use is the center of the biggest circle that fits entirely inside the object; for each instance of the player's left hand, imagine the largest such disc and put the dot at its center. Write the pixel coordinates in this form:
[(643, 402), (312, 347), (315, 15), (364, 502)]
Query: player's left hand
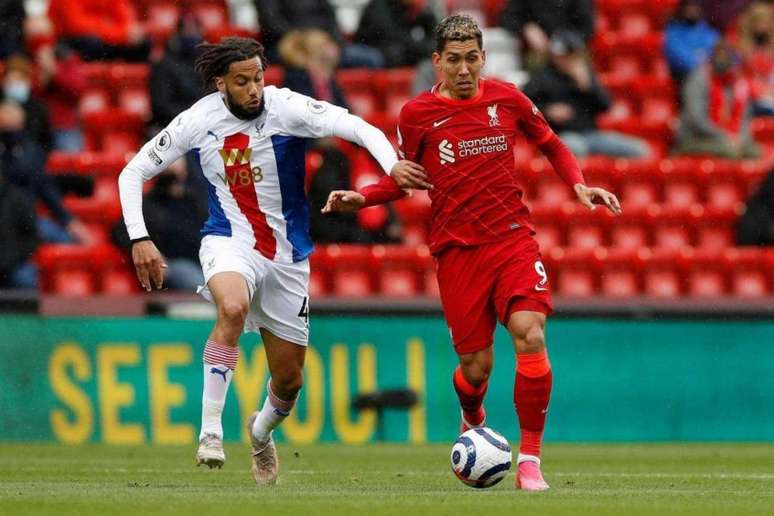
[(408, 174), (589, 196), (343, 201)]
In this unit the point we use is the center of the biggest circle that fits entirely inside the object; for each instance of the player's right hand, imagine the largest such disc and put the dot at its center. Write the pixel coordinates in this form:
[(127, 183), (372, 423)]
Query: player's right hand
[(410, 175), (149, 264), (343, 201)]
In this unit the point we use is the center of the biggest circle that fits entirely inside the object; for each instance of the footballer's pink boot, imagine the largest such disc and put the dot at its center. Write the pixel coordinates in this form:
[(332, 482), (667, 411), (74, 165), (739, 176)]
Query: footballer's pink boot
[(529, 477), (465, 426)]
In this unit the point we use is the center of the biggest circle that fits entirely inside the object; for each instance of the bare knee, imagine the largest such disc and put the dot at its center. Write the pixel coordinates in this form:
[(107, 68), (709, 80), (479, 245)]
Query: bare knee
[(233, 312), (528, 334), (287, 383), (476, 369)]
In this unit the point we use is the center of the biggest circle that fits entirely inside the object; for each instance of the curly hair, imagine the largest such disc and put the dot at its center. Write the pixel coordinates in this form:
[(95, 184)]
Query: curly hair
[(457, 27), (215, 58)]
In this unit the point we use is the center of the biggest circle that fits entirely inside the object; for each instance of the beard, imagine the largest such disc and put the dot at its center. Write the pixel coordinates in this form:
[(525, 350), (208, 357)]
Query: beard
[(242, 112)]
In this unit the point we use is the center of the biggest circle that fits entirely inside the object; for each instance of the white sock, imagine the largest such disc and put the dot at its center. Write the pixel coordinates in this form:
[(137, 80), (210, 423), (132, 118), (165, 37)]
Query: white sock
[(219, 364), (274, 411), (523, 457)]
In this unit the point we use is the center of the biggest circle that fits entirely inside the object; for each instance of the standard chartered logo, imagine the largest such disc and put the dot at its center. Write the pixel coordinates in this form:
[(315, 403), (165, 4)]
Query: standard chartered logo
[(446, 152)]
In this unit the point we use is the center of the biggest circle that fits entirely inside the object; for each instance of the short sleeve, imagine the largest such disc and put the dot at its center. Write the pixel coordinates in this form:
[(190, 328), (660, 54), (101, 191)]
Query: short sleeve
[(531, 121), (165, 148), (307, 117)]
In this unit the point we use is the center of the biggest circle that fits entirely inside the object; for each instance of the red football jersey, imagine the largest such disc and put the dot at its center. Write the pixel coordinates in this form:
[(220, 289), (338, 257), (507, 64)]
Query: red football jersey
[(466, 147)]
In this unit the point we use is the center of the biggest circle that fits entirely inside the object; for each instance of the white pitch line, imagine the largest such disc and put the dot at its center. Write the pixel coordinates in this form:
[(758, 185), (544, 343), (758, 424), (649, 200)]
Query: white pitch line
[(549, 473)]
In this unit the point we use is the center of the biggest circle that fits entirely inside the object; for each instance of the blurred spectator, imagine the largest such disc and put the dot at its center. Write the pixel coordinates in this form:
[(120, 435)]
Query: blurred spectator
[(378, 224), (716, 109), (100, 29), (535, 21), (278, 17), (756, 226), (173, 217), (22, 163), (570, 96), (311, 57), (19, 237), (721, 14), (688, 39), (756, 44), (173, 83), (17, 87), (403, 30), (11, 27), (62, 81)]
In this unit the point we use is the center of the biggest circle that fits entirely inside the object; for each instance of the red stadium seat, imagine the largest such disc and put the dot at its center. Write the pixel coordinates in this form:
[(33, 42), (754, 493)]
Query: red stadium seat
[(398, 269), (634, 24), (571, 272), (629, 231), (350, 274), (747, 269), (715, 229), (135, 101), (703, 272), (636, 195), (93, 101), (548, 236), (618, 275), (660, 272), (162, 20), (126, 75), (672, 228), (77, 283), (119, 282), (317, 283), (211, 15), (586, 229), (551, 191)]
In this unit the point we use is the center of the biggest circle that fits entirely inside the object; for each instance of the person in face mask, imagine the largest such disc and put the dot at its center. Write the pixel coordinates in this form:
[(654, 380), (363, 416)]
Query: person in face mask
[(22, 163), (173, 82), (717, 108), (756, 45), (688, 39), (17, 87)]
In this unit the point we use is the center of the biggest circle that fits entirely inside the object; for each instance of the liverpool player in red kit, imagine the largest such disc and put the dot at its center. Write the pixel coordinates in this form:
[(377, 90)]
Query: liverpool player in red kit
[(488, 264)]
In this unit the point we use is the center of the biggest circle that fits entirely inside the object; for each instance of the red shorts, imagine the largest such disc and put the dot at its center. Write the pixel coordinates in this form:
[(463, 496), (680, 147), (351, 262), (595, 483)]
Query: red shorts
[(483, 284)]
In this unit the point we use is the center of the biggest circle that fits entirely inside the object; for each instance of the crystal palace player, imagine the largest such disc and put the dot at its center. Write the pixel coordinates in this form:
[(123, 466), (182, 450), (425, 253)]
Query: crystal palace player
[(250, 143), (488, 264)]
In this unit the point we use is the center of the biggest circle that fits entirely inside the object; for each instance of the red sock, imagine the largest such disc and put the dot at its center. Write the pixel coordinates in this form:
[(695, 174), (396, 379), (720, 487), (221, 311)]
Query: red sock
[(531, 393), (471, 398)]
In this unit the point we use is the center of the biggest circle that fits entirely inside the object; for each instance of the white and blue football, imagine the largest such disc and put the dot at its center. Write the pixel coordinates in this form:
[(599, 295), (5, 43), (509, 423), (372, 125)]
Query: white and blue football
[(481, 457)]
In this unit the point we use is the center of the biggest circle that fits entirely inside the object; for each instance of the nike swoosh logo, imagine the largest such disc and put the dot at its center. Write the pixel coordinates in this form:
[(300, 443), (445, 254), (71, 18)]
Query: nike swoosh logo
[(436, 124)]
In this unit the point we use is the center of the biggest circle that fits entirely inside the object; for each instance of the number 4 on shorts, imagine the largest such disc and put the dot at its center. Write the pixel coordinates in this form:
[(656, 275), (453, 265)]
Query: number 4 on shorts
[(304, 312)]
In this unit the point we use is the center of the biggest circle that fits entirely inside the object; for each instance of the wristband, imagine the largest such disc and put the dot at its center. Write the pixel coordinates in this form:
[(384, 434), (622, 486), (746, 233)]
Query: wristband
[(141, 239)]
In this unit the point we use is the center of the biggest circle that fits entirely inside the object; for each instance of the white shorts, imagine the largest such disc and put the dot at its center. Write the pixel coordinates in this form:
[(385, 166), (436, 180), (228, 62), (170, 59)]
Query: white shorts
[(279, 292)]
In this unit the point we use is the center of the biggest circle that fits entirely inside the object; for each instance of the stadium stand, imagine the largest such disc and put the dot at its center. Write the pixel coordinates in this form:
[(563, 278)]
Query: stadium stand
[(675, 237)]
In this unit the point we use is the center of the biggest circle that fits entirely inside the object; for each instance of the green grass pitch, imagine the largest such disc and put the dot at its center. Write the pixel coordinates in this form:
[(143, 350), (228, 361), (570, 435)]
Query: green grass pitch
[(385, 479)]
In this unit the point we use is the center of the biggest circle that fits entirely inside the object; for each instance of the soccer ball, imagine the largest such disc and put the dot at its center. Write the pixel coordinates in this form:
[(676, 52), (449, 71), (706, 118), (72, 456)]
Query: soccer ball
[(481, 457)]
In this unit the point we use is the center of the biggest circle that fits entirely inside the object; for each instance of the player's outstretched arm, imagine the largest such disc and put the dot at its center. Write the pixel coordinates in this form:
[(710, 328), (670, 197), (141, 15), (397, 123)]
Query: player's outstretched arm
[(386, 190), (344, 201)]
